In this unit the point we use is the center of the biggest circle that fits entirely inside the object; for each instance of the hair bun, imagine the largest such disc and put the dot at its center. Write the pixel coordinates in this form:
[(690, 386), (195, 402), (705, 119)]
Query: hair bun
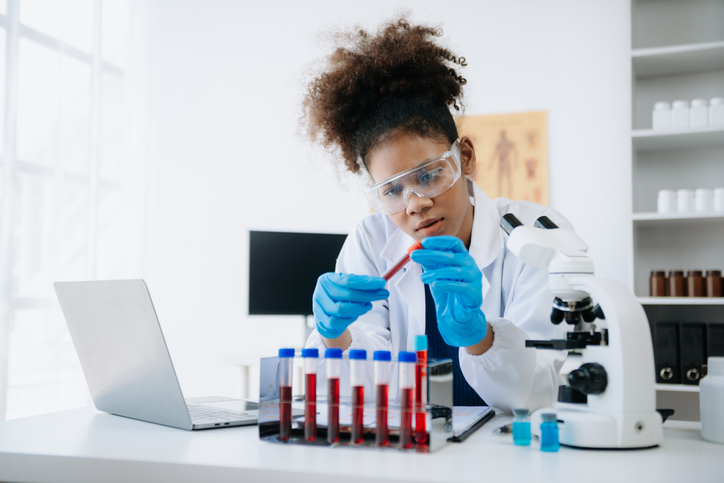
[(400, 61)]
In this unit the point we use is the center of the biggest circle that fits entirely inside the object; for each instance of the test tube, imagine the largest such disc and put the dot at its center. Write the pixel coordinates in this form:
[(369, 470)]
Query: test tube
[(421, 389), (382, 383), (286, 358), (407, 362), (333, 357), (357, 381), (310, 357)]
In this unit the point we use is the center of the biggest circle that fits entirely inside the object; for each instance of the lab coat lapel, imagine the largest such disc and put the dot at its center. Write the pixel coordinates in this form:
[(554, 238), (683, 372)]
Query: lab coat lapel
[(486, 241), (412, 291), (408, 284)]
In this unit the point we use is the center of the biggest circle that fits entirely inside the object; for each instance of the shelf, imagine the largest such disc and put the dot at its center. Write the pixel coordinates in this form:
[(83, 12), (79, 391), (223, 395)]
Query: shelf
[(648, 140), (681, 300), (677, 59), (677, 387), (668, 220)]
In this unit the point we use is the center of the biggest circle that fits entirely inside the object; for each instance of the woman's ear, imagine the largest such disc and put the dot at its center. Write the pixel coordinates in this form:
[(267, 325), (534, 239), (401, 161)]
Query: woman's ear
[(467, 155)]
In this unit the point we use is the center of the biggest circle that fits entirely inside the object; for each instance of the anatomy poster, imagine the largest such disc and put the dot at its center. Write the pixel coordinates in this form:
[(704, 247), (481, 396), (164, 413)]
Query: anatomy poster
[(512, 154)]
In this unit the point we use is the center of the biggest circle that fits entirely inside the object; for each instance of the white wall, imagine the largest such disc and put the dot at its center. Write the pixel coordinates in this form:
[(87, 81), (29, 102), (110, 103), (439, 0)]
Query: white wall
[(226, 158)]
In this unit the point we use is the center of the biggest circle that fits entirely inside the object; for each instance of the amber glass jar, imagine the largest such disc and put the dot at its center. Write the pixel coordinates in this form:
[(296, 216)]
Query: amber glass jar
[(658, 284), (713, 283), (677, 283), (695, 284)]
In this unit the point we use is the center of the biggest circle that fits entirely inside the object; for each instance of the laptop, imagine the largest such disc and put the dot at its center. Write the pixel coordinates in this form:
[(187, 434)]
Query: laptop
[(125, 360)]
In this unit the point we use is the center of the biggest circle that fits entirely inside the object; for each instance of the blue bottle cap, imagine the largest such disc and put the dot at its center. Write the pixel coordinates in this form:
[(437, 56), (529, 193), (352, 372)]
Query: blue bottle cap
[(333, 353), (407, 357), (382, 356), (521, 413), (549, 417), (360, 354), (420, 343), (286, 352), (310, 353)]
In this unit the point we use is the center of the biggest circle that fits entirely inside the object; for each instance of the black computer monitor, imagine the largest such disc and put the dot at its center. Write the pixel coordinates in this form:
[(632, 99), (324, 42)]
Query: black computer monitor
[(284, 267)]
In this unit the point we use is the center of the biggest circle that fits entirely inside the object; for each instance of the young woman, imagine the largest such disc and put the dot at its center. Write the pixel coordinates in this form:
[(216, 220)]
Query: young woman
[(383, 102)]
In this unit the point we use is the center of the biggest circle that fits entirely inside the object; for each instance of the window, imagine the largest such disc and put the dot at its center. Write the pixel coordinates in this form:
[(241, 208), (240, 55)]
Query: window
[(70, 207)]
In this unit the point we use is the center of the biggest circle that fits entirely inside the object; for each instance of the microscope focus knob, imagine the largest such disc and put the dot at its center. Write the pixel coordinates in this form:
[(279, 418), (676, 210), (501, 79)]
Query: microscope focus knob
[(590, 378)]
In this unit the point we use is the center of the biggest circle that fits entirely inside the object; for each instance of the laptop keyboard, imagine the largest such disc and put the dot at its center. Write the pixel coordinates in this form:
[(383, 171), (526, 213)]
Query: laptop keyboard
[(209, 415)]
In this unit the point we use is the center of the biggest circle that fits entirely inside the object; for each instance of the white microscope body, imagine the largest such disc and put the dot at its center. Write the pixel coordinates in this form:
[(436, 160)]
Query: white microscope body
[(618, 370)]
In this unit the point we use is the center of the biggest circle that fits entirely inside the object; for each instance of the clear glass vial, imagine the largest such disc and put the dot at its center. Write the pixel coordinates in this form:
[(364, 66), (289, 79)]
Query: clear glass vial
[(549, 433), (521, 427)]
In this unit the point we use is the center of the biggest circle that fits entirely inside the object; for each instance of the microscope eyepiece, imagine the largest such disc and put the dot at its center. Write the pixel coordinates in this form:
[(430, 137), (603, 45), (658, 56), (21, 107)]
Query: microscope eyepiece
[(509, 222), (545, 223)]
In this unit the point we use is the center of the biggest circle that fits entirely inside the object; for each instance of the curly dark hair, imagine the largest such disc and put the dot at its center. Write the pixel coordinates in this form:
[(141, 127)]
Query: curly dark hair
[(375, 87)]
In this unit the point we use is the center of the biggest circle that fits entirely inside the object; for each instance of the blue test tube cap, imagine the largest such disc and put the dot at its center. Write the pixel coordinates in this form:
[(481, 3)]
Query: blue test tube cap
[(333, 353), (359, 354), (286, 352), (420, 343), (382, 356), (407, 357), (310, 352)]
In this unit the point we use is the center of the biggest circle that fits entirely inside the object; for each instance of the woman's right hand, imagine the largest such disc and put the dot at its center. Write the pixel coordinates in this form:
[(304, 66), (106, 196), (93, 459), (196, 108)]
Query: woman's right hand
[(340, 298)]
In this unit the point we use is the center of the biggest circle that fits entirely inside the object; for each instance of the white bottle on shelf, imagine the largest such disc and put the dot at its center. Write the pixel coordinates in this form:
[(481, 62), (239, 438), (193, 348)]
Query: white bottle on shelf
[(704, 200), (662, 116), (699, 114), (666, 202), (711, 401), (684, 201), (716, 112), (719, 200), (680, 114)]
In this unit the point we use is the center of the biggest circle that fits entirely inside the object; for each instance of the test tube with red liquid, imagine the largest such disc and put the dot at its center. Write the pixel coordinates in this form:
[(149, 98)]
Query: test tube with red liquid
[(310, 357), (421, 389), (407, 362), (357, 359), (382, 384), (286, 359), (403, 261), (333, 357)]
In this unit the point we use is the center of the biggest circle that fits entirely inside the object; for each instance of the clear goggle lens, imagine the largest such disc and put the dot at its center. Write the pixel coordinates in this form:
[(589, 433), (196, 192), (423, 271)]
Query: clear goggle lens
[(428, 179)]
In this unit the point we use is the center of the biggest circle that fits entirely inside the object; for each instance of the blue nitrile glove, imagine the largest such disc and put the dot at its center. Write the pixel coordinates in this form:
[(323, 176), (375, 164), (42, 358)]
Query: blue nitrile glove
[(456, 284), (340, 298)]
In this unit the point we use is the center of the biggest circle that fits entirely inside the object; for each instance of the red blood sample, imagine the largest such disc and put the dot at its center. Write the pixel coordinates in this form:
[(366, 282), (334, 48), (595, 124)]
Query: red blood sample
[(420, 397), (382, 433), (358, 401), (310, 408), (406, 417), (333, 410), (285, 412), (403, 261)]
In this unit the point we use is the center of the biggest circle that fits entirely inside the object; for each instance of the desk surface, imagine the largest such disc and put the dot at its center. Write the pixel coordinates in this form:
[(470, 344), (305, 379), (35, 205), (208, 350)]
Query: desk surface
[(87, 445)]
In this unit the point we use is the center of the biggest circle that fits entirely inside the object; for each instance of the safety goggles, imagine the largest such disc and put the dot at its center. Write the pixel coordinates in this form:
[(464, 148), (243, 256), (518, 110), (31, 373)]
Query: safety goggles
[(428, 179)]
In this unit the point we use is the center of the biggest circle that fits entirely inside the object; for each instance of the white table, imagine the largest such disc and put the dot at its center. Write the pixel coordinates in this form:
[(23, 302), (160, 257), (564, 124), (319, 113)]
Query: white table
[(85, 445)]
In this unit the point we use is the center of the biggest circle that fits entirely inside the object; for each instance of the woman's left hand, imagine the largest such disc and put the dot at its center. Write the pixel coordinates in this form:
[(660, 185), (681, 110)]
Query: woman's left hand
[(456, 284)]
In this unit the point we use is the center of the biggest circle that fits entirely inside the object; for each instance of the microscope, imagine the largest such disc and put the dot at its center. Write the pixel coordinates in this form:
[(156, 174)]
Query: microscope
[(611, 399)]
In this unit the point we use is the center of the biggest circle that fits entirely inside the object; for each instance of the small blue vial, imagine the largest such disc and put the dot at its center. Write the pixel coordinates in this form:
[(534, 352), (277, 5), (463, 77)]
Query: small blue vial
[(521, 427), (549, 433)]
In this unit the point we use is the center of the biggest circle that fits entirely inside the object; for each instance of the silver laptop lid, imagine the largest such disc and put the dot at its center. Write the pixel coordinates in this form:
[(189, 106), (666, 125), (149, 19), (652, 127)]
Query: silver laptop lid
[(122, 350)]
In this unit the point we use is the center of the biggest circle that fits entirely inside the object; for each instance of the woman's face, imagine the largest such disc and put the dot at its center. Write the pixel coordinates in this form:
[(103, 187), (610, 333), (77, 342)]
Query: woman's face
[(449, 213)]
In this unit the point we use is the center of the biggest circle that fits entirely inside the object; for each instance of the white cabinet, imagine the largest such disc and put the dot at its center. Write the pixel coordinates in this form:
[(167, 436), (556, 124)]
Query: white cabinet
[(677, 53)]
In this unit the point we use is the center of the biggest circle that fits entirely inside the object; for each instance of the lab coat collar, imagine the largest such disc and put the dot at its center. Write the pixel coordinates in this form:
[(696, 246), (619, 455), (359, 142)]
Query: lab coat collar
[(397, 244), (486, 241)]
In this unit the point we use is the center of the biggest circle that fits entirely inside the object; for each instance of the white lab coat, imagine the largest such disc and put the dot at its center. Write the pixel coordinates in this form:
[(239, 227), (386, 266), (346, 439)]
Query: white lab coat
[(516, 303)]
